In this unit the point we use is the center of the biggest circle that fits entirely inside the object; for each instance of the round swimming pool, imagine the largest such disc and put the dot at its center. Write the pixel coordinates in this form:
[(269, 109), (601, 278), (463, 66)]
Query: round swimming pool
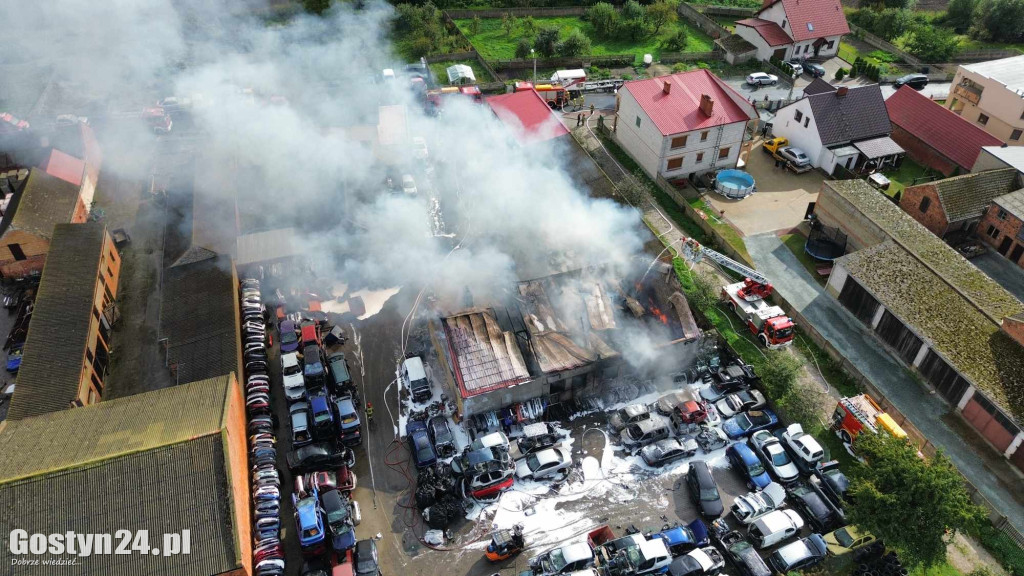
[(734, 184)]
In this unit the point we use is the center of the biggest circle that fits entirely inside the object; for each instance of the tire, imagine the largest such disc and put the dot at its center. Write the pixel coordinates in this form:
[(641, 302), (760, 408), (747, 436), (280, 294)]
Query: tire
[(774, 82), (763, 339), (845, 437)]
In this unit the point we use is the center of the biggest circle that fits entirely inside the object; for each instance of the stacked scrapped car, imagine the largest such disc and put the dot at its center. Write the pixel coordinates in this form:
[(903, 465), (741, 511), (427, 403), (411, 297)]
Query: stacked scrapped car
[(268, 555)]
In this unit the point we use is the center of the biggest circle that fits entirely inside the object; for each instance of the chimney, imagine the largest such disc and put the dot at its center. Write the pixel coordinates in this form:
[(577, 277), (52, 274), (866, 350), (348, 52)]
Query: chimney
[(666, 87), (842, 90), (707, 104)]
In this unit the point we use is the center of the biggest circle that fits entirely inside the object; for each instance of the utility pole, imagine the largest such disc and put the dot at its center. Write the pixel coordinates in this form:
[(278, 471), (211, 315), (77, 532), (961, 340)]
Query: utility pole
[(533, 53)]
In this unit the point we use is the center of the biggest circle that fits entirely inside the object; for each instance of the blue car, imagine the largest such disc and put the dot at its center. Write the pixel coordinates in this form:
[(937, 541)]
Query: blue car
[(747, 423), (14, 361), (339, 519), (749, 465), (422, 451), (309, 520), (323, 418), (683, 539)]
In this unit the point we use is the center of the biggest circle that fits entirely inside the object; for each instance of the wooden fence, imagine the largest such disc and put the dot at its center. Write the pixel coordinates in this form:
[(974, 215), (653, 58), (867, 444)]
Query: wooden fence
[(983, 55), (702, 22), (673, 57), (885, 46), (519, 12), (730, 11), (579, 62)]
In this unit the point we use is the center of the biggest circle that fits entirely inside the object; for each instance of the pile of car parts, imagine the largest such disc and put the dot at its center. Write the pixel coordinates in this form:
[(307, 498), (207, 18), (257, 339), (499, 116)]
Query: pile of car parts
[(437, 496), (266, 480)]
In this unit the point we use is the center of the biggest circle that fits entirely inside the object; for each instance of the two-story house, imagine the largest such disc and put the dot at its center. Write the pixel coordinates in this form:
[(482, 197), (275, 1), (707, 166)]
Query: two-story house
[(991, 95), (793, 29), (845, 126), (682, 125)]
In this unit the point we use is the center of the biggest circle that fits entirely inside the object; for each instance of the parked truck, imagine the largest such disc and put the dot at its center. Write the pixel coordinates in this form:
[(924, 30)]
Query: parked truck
[(554, 94), (855, 414), (793, 158)]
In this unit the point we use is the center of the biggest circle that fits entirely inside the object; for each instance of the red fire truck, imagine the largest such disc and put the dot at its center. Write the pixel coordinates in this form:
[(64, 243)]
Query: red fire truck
[(556, 96), (157, 119), (855, 414)]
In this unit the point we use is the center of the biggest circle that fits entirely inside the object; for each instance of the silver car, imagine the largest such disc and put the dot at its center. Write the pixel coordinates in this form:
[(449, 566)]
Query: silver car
[(795, 155), (629, 415), (775, 458), (543, 464), (762, 79)]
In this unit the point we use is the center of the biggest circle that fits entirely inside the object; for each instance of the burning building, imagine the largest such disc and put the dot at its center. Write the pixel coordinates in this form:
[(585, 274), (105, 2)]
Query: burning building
[(555, 337)]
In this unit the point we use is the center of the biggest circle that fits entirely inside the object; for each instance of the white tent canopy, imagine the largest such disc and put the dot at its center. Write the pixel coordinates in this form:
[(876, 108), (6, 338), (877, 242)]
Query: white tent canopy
[(460, 72)]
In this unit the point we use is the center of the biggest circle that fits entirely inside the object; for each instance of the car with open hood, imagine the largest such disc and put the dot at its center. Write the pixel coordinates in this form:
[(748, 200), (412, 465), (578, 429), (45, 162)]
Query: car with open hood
[(349, 426), (339, 520)]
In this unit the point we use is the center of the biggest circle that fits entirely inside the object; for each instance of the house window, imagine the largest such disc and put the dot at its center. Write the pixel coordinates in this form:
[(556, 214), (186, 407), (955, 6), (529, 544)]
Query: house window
[(723, 153), (678, 142), (783, 23), (807, 122), (1015, 135), (1001, 214), (831, 43), (700, 157), (798, 116), (704, 135), (675, 163), (982, 119), (637, 121), (16, 251), (992, 232), (925, 203)]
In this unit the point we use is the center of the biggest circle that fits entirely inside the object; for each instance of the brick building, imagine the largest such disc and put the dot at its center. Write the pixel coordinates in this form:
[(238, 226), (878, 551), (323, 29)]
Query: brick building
[(957, 203), (1002, 226), (934, 136), (67, 349), (164, 461)]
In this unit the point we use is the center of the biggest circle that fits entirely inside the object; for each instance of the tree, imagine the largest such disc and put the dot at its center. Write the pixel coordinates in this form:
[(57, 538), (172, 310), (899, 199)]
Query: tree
[(523, 48), (546, 42), (676, 42), (803, 403), (893, 23), (317, 7), (960, 14), (933, 44), (474, 26), (528, 26), (604, 18), (634, 22), (778, 372), (909, 502), (661, 13), (897, 4), (575, 44), (1000, 20), (705, 291), (508, 22)]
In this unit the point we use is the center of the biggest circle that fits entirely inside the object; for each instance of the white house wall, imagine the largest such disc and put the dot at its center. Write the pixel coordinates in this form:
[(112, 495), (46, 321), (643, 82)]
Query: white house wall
[(803, 137), (644, 143), (764, 51), (732, 137)]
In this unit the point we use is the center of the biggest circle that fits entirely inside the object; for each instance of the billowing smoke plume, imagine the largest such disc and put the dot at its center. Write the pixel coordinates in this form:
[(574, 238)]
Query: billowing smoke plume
[(293, 103)]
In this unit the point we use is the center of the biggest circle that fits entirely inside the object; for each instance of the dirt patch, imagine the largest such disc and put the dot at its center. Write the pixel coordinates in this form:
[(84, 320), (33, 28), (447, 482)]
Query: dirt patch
[(967, 555)]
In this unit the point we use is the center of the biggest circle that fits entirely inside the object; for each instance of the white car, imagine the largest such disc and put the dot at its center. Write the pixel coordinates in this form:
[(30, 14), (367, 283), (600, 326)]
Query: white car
[(762, 79), (543, 464), (291, 371), (409, 185), (741, 401), (774, 456), (419, 148), (798, 68)]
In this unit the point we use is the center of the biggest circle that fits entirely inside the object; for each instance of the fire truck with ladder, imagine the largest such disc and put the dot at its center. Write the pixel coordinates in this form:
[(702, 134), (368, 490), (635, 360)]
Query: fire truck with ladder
[(856, 414), (747, 299), (555, 95)]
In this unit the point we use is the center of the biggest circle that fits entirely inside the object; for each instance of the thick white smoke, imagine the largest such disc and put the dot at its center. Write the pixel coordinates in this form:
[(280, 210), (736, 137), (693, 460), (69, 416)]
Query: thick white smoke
[(516, 209)]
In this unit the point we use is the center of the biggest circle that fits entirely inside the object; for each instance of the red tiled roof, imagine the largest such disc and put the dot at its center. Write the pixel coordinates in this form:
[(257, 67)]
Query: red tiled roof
[(772, 33), (528, 115), (64, 166), (939, 128), (824, 16), (679, 110)]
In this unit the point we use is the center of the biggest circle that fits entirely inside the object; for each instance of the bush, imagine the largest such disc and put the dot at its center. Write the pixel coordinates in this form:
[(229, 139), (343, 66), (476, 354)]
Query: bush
[(1000, 20), (960, 14), (933, 44), (676, 42), (604, 18), (680, 67), (474, 26), (778, 372), (546, 42), (420, 46), (575, 44), (523, 48), (893, 23), (841, 73)]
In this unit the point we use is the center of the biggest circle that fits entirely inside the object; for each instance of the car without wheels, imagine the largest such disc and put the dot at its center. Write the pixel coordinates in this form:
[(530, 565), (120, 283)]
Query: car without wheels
[(645, 432), (291, 374), (806, 452), (563, 560), (668, 450), (302, 433), (441, 435), (748, 465), (741, 401), (754, 505), (746, 423)]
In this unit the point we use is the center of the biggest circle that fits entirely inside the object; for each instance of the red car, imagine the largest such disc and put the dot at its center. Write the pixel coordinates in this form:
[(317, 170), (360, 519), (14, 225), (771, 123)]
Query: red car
[(691, 412), (343, 480)]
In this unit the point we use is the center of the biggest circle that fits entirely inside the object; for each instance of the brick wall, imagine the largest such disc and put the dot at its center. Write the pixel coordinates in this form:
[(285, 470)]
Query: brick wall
[(934, 218), (1015, 328), (922, 153), (1011, 226)]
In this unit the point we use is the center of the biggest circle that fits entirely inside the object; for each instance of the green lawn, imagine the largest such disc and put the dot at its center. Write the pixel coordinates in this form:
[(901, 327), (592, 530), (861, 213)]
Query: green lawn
[(905, 176), (493, 44), (968, 43), (440, 70), (795, 243), (727, 22), (728, 233)]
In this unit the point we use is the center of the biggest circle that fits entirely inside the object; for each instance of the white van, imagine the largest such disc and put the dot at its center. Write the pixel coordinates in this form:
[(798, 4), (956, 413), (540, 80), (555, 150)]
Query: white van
[(415, 379), (775, 527)]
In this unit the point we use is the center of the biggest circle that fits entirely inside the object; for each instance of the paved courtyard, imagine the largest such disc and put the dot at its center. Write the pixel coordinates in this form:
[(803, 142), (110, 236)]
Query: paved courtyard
[(781, 198)]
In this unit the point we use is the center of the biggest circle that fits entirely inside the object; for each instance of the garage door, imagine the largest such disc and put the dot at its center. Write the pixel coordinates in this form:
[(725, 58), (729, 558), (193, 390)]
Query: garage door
[(943, 377), (990, 422), (896, 334), (857, 300)]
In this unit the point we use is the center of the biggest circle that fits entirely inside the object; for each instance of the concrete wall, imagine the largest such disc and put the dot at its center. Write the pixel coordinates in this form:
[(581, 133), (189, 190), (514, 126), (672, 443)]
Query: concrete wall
[(934, 217), (800, 135), (1010, 226), (922, 153), (104, 293), (645, 142), (834, 210), (1004, 108), (987, 161)]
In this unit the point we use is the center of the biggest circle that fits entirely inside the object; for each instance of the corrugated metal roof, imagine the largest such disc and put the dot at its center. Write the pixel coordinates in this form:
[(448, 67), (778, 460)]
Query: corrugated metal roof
[(58, 441), (486, 358), (51, 369), (266, 246), (679, 110)]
